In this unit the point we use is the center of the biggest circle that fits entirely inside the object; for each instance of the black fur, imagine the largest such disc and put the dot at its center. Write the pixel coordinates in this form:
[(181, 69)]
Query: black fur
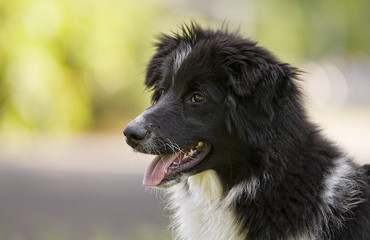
[(254, 119)]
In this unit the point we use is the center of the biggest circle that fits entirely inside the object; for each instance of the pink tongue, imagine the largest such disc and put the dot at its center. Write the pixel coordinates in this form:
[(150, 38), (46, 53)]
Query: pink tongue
[(157, 169)]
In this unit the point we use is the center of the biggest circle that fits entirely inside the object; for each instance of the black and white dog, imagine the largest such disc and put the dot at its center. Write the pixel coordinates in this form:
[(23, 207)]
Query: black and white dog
[(235, 149)]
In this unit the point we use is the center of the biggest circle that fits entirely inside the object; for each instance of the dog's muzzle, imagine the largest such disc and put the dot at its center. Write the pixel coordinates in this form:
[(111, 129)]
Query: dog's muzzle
[(135, 133)]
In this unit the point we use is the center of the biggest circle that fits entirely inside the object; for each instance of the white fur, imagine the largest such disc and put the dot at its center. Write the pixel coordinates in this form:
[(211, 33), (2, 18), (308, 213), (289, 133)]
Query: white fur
[(340, 179), (199, 210), (202, 211), (180, 56), (141, 119), (341, 192), (249, 187)]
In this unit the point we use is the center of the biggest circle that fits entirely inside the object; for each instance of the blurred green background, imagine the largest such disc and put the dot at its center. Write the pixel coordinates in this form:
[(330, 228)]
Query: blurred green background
[(71, 77), (71, 66)]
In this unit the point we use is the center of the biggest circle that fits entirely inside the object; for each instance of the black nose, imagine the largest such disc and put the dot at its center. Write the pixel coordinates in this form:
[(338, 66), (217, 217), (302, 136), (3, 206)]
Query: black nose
[(135, 134)]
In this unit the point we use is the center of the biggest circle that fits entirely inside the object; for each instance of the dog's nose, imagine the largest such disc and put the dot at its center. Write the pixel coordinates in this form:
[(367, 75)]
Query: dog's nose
[(135, 134)]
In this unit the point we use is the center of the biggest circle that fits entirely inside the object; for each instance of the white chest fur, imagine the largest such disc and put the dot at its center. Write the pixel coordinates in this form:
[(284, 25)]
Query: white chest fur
[(199, 211)]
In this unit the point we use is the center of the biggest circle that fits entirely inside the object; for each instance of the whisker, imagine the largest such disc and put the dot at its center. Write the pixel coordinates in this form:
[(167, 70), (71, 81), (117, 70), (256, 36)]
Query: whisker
[(175, 146)]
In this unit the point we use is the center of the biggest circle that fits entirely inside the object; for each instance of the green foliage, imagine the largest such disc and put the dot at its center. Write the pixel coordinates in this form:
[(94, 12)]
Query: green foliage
[(69, 65), (64, 63), (306, 29)]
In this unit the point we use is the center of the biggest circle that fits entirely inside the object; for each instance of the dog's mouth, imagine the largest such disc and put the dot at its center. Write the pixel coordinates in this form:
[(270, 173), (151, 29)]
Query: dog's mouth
[(164, 168)]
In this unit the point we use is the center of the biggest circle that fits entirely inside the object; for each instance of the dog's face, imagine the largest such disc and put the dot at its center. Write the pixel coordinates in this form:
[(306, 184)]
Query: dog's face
[(198, 81), (186, 117)]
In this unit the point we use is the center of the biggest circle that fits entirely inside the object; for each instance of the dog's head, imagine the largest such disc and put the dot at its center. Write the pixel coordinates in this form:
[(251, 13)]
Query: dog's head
[(215, 96)]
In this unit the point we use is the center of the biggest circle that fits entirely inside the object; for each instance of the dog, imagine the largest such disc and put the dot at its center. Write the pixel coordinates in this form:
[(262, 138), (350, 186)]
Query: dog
[(235, 150)]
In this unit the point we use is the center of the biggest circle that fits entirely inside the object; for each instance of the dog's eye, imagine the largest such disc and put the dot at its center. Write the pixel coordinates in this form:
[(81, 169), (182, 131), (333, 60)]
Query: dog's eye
[(197, 98)]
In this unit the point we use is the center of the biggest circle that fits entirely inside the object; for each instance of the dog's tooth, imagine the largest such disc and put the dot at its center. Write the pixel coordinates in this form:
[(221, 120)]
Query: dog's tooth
[(200, 146), (191, 152)]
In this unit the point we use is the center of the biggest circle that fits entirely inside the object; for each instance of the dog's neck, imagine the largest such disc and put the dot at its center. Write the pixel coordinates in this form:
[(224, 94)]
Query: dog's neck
[(203, 209), (199, 209)]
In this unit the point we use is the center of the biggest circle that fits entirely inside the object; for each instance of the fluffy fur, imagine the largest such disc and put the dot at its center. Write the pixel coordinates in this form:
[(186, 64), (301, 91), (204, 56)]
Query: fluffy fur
[(270, 173)]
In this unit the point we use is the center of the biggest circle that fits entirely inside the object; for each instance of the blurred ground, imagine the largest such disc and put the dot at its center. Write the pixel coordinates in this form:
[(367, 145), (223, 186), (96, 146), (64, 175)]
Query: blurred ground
[(46, 205), (89, 186)]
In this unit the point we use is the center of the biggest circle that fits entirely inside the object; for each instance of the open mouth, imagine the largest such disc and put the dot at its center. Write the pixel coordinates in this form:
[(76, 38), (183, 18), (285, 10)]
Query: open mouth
[(166, 167)]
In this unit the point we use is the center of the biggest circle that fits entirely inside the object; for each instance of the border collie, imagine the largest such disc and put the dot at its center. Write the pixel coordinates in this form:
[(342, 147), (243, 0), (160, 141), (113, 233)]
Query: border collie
[(235, 150)]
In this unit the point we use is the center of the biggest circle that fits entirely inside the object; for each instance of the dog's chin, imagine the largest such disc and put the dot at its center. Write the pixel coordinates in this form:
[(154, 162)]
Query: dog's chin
[(169, 169)]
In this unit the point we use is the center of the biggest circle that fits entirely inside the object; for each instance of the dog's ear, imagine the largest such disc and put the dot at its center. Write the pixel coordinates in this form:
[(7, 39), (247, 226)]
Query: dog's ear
[(166, 44), (257, 86), (248, 66)]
